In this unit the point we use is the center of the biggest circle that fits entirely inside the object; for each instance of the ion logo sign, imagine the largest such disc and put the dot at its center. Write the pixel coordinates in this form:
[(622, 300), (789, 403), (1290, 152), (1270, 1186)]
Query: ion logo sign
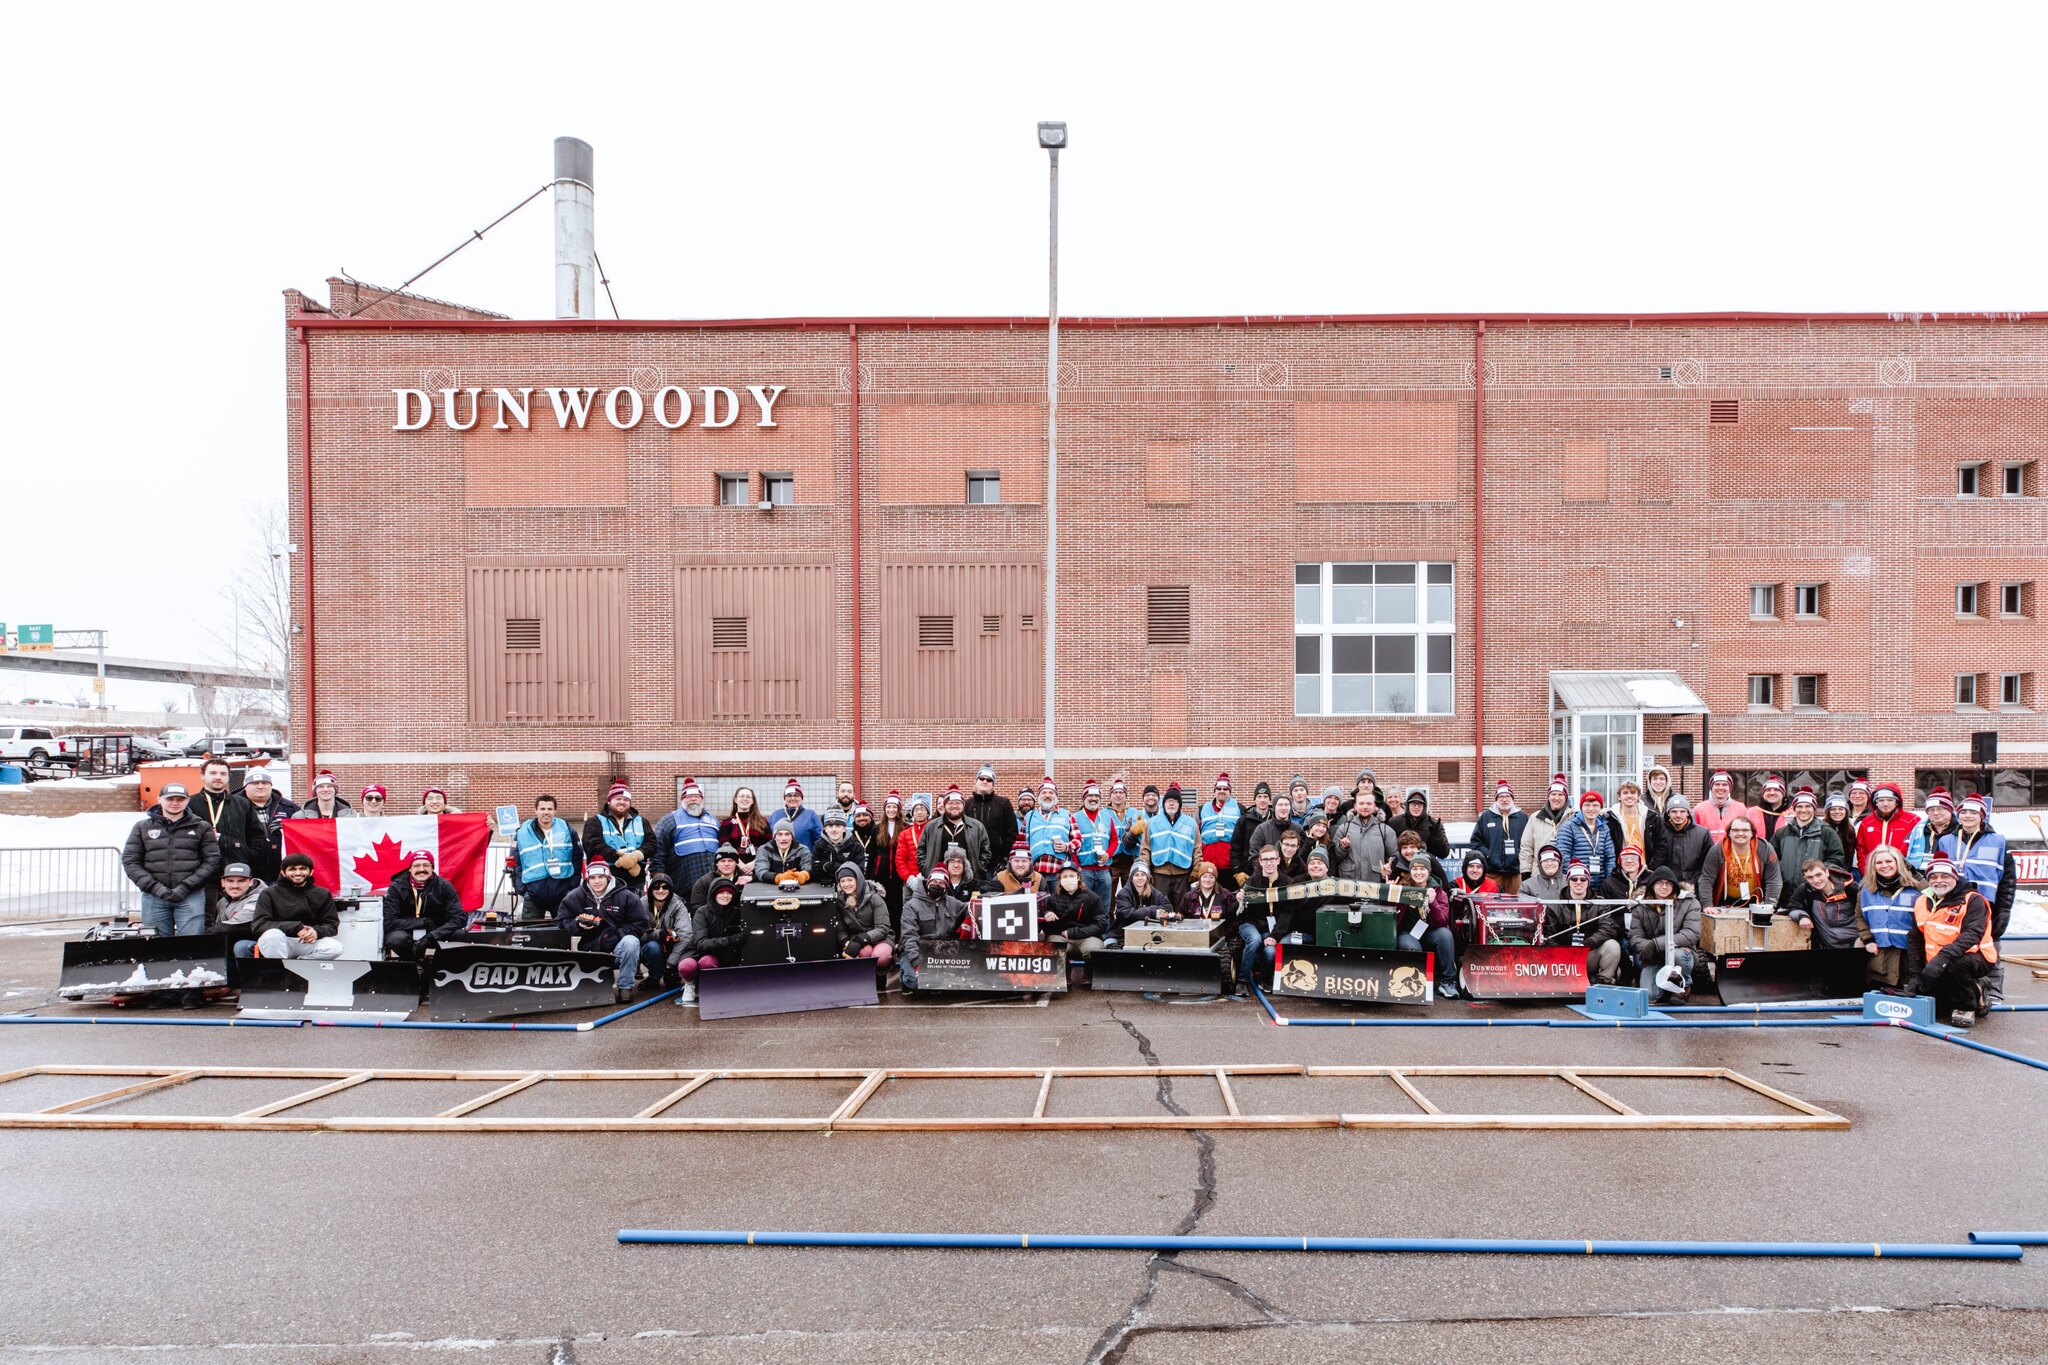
[(1892, 1009)]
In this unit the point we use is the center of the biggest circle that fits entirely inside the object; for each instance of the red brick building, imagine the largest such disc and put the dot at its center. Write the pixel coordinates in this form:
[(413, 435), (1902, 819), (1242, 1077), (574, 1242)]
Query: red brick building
[(533, 556)]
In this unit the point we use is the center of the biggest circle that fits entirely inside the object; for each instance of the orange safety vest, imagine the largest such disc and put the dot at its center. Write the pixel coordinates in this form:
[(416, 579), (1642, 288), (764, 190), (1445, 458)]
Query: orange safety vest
[(1939, 925)]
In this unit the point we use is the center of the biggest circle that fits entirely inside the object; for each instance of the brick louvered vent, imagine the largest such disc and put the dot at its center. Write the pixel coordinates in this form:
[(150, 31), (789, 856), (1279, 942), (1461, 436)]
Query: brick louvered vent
[(522, 633), (934, 632), (1724, 411), (728, 632), (1166, 616)]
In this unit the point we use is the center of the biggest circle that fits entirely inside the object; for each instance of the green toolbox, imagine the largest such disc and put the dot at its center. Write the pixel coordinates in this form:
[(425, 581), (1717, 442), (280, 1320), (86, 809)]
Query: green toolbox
[(1358, 926)]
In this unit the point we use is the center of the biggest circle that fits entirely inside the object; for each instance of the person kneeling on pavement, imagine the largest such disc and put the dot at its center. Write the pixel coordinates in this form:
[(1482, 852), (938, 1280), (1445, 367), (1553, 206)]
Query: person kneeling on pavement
[(235, 915), (421, 908), (1573, 921), (863, 915), (1951, 951), (607, 918), (931, 909), (1430, 930), (716, 930), (1826, 898), (295, 918), (1655, 950)]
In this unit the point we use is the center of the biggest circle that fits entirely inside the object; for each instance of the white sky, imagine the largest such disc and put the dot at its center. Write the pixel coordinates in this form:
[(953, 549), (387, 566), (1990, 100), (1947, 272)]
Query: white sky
[(175, 171)]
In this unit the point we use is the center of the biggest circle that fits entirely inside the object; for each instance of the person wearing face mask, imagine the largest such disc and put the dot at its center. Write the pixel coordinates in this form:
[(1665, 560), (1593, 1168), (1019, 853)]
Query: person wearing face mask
[(1983, 860), (931, 909), (1886, 901), (1952, 950), (1887, 822), (1687, 846), (1544, 822), (1073, 916), (1497, 836), (1546, 883)]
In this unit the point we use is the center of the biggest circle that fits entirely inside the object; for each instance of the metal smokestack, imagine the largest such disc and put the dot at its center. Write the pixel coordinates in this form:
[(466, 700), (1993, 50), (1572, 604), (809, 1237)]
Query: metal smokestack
[(575, 230)]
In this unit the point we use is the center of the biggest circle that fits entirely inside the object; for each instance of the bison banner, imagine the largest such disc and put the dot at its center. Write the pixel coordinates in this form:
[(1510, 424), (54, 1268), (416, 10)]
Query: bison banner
[(357, 858)]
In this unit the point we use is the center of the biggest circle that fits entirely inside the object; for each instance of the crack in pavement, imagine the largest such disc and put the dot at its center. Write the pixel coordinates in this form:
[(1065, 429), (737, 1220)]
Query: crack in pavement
[(1117, 1338)]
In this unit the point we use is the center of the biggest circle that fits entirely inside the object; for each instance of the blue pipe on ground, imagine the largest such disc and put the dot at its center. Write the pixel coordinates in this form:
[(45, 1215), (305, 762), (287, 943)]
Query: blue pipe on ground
[(2018, 1239), (1974, 1046), (1457, 1246), (176, 1023)]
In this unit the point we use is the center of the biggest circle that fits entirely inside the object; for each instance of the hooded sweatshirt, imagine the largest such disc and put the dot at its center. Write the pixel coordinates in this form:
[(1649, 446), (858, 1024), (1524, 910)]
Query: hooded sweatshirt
[(864, 916), (716, 930), (1428, 826)]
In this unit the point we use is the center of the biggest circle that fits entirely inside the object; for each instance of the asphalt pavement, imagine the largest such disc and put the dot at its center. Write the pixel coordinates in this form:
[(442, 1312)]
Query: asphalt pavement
[(338, 1247)]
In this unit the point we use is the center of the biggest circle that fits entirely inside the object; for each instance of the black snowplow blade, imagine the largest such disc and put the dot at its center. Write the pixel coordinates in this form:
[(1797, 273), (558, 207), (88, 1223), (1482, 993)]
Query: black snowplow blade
[(468, 981), (312, 988), (785, 987), (99, 969), (1166, 971), (1809, 974)]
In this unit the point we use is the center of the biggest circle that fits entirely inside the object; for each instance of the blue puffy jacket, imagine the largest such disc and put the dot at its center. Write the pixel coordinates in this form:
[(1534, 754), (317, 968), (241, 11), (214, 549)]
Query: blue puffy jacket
[(1594, 847)]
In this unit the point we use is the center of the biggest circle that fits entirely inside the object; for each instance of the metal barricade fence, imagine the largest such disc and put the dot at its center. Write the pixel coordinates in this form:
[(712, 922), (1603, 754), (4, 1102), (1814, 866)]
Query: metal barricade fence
[(63, 883)]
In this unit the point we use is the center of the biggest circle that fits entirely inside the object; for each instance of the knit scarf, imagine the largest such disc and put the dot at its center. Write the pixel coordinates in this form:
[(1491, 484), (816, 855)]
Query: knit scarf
[(1740, 868), (1631, 825)]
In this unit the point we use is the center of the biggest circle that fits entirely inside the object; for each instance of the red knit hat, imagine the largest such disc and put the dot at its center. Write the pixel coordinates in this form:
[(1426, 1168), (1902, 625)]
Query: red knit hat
[(1559, 783), (1721, 775), (1223, 781), (952, 791), (1774, 783), (1501, 788), (431, 791), (1090, 788), (1940, 797), (425, 855), (617, 789), (791, 788), (1939, 864), (1981, 804), (690, 788), (1048, 784), (1591, 797), (378, 788)]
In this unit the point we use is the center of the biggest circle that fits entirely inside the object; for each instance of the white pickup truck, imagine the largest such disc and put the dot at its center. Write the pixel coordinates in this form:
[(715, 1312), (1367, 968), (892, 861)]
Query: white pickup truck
[(36, 745)]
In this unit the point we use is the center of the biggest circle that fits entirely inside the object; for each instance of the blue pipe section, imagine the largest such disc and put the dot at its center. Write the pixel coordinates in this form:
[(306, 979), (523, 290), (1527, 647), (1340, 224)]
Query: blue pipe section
[(631, 1009), (444, 1024), (1974, 1046), (2021, 1009), (172, 1023), (1454, 1246), (1356, 1021), (2018, 1239)]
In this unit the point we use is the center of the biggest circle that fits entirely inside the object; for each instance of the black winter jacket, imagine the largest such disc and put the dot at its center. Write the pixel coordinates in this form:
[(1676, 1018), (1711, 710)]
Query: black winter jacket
[(257, 834), (619, 911), (998, 820), (1078, 916), (288, 908), (171, 860), (435, 907)]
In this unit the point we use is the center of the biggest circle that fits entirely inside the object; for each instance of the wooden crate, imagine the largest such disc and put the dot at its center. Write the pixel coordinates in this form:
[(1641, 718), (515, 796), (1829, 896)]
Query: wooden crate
[(1728, 931)]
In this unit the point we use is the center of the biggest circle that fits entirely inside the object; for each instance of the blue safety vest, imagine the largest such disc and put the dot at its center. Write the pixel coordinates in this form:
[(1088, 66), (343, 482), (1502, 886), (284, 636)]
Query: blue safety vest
[(629, 835), (1890, 917), (1046, 833), (1219, 825), (1173, 841), (1982, 863), (1127, 830), (1098, 836), (546, 857), (694, 834)]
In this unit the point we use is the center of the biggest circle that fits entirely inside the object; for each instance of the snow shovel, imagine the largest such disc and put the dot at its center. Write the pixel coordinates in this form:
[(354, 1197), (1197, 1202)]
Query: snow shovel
[(122, 963), (1806, 974), (1163, 971), (785, 987)]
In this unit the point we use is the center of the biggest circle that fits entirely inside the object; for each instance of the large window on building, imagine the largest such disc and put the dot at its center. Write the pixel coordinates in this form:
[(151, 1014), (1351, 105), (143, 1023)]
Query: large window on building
[(1374, 639)]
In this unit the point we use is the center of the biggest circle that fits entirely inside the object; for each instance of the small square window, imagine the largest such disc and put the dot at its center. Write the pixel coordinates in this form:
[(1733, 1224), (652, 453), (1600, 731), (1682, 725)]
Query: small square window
[(1966, 599), (1763, 692), (779, 489), (2012, 599), (984, 486), (732, 490), (2013, 689), (2016, 481), (1966, 689), (1967, 479), (1807, 600), (1809, 691), (1763, 601)]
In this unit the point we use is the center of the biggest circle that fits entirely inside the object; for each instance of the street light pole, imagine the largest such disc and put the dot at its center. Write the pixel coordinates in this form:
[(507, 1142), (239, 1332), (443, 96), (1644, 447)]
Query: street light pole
[(1052, 137)]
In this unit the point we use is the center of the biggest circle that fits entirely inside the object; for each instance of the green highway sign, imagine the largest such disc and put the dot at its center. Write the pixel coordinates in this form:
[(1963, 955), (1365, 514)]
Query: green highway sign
[(35, 637)]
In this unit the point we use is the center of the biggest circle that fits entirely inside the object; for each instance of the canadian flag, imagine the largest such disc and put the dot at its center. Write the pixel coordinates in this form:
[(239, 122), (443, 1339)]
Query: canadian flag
[(360, 857)]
